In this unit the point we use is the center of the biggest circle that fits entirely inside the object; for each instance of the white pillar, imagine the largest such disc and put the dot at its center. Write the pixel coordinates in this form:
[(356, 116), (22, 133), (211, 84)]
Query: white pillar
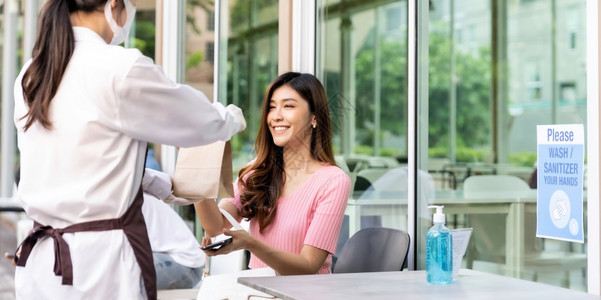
[(221, 42), (30, 27), (303, 36), (9, 73), (173, 45)]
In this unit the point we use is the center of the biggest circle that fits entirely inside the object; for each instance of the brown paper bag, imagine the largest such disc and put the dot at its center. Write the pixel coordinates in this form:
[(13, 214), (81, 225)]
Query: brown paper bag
[(204, 172)]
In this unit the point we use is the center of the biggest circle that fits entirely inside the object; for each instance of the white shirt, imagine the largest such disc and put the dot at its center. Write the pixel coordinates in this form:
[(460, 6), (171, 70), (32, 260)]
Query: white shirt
[(110, 103), (168, 233)]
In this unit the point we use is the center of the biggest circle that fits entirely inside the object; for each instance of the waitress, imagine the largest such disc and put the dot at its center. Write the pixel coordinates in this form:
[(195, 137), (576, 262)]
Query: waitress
[(85, 109)]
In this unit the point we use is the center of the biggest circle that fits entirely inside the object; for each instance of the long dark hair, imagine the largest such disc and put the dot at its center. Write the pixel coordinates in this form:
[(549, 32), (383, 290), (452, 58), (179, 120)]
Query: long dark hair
[(52, 51), (264, 177)]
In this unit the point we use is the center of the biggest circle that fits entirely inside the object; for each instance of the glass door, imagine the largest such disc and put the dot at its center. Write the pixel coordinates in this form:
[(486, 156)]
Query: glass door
[(362, 61), (497, 69)]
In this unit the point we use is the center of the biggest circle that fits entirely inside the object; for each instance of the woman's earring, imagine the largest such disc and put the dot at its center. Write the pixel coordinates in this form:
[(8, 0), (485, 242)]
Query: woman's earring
[(313, 126)]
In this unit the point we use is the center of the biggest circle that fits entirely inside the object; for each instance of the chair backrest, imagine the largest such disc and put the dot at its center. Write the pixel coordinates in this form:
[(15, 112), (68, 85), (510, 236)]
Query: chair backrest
[(493, 183), (374, 250), (372, 174), (367, 177), (489, 229), (436, 163)]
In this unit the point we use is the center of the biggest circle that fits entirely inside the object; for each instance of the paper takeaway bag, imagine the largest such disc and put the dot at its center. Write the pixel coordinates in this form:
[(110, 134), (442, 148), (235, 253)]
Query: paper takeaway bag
[(204, 172)]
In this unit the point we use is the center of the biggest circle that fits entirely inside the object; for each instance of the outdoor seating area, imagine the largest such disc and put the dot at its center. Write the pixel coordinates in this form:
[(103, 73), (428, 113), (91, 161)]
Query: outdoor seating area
[(484, 197)]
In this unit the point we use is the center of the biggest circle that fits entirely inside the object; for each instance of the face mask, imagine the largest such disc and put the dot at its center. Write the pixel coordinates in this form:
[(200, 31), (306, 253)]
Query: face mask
[(120, 33)]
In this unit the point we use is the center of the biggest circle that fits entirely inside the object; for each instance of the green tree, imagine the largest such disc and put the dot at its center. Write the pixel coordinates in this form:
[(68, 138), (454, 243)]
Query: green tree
[(393, 90), (145, 34), (472, 75), (245, 12), (145, 28)]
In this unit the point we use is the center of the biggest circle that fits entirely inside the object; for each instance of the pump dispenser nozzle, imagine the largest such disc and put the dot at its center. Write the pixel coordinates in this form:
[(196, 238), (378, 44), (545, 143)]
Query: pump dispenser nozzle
[(439, 250), (439, 217)]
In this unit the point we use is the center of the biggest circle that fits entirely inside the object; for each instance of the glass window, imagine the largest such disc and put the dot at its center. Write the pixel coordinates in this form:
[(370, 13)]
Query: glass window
[(248, 54), (247, 61), (362, 61), (199, 63), (497, 69), (143, 33)]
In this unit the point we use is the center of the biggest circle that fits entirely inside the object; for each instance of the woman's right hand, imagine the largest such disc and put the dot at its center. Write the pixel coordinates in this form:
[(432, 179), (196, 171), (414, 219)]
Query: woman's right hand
[(240, 240)]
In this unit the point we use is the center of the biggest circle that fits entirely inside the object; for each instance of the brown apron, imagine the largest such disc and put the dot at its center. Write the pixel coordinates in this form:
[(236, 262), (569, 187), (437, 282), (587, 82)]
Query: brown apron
[(131, 222)]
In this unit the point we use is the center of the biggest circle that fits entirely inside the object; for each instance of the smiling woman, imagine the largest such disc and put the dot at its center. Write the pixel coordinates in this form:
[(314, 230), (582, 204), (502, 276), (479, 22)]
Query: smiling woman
[(293, 192), (304, 140)]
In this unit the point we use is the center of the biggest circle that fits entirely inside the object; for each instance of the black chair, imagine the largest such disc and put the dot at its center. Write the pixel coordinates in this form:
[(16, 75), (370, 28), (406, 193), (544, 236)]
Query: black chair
[(374, 250), (361, 184)]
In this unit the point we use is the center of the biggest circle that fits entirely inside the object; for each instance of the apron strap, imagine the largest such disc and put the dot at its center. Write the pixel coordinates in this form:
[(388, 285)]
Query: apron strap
[(137, 235), (133, 225), (62, 256)]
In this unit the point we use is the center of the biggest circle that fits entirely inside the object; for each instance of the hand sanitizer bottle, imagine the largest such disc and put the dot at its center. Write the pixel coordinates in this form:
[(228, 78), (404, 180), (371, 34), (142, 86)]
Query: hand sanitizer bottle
[(439, 250)]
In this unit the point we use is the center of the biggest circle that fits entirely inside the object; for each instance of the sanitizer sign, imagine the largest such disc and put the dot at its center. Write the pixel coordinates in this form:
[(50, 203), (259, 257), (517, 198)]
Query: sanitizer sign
[(559, 180)]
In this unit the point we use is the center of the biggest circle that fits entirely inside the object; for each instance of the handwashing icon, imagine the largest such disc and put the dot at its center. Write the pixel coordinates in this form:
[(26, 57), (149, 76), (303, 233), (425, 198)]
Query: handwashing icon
[(560, 209)]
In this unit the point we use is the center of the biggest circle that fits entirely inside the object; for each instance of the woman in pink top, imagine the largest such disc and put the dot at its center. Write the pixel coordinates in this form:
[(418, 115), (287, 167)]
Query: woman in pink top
[(293, 193)]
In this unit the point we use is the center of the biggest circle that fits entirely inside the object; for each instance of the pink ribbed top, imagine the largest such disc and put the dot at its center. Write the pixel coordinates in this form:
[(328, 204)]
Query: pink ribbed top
[(311, 215)]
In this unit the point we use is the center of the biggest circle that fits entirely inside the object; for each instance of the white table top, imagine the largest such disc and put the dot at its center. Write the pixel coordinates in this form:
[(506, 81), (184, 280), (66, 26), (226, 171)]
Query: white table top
[(178, 294), (407, 285)]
